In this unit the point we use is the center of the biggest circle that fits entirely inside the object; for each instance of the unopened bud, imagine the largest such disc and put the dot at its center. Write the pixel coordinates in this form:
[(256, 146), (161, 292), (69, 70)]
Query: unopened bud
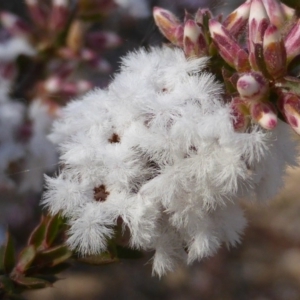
[(75, 38), (59, 15), (290, 106), (14, 24), (264, 114), (292, 42), (37, 14), (202, 15), (229, 49), (275, 12), (274, 52), (258, 23), (237, 20), (168, 25), (253, 86), (194, 43), (240, 114)]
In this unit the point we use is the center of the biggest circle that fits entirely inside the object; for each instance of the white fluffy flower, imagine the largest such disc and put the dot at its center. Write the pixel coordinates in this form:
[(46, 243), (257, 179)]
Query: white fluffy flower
[(158, 150)]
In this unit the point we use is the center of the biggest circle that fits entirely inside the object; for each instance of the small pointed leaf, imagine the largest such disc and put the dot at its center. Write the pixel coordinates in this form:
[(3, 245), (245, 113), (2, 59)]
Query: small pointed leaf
[(55, 256), (52, 229), (9, 255), (26, 257), (38, 234), (32, 283)]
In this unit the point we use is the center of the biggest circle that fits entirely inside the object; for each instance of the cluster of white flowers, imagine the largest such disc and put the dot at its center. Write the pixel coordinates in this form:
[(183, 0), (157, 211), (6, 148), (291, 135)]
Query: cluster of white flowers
[(157, 149)]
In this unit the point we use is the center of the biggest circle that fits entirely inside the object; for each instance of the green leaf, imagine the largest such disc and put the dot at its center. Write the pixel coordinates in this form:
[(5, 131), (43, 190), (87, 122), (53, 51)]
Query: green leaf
[(38, 234), (292, 84), (26, 257), (52, 229), (6, 284), (9, 254), (32, 282), (55, 256)]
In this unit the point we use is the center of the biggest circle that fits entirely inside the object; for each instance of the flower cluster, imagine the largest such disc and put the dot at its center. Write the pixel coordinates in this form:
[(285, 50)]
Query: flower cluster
[(157, 150), (44, 62), (255, 51)]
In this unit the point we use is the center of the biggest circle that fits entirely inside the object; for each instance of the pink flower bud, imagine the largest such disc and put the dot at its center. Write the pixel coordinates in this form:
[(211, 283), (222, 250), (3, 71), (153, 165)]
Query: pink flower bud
[(59, 15), (275, 12), (264, 114), (240, 114), (201, 15), (237, 20), (37, 14), (14, 24), (274, 52), (229, 49), (168, 25), (194, 43), (258, 23), (292, 42), (290, 106), (253, 86)]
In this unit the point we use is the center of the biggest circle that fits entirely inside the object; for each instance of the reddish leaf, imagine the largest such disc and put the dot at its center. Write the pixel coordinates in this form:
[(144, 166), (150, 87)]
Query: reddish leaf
[(25, 258), (38, 234), (52, 229)]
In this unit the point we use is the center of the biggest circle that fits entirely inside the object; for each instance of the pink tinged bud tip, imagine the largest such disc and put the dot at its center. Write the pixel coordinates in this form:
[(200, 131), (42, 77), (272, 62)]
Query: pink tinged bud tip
[(201, 15), (290, 105), (274, 52), (14, 24), (59, 15), (275, 12), (253, 86), (194, 43), (258, 23), (37, 14), (168, 25), (292, 42), (237, 20), (264, 114), (229, 49)]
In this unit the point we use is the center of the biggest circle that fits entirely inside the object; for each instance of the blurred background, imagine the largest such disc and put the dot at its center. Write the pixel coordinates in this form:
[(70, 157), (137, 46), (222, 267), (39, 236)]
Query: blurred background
[(51, 56)]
